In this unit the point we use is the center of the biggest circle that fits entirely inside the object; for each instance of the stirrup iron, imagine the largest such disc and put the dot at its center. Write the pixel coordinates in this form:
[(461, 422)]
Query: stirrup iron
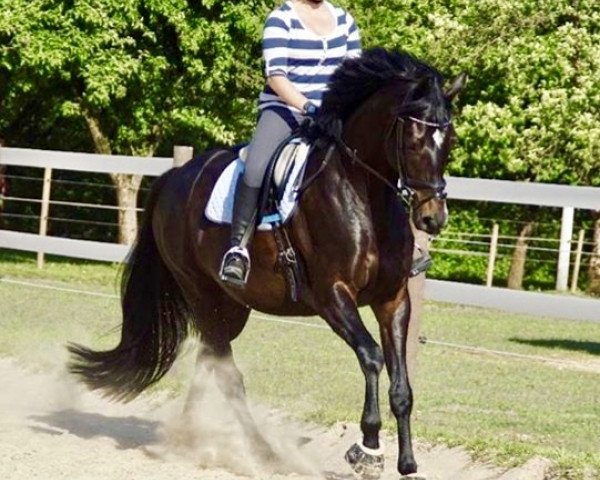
[(421, 263), (230, 254)]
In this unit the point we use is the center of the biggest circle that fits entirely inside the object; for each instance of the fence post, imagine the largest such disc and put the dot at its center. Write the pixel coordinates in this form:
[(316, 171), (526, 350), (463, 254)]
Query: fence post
[(492, 257), (44, 211), (181, 155), (575, 278), (564, 253)]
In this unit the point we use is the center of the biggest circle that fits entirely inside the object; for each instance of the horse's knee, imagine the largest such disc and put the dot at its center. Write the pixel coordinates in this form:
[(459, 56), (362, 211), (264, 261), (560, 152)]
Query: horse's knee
[(400, 400), (371, 359)]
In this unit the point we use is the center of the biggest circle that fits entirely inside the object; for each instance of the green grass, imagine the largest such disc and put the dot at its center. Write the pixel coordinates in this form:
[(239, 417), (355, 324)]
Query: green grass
[(500, 408), (16, 264)]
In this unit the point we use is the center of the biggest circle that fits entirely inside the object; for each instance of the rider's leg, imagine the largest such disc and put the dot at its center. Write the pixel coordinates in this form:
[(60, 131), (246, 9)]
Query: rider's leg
[(236, 262), (273, 127)]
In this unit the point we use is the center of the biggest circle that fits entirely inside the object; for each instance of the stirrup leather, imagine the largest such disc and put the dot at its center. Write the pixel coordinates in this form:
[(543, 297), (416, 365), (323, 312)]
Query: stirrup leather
[(231, 254)]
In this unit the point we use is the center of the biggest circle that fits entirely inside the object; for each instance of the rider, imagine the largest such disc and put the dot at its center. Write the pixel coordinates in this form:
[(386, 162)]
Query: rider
[(303, 43)]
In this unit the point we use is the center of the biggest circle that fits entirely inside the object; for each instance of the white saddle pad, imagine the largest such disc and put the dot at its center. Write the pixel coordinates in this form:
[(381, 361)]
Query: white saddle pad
[(219, 208)]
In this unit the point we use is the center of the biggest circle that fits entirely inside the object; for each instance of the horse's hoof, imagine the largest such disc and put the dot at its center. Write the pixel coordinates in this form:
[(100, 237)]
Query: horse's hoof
[(366, 463)]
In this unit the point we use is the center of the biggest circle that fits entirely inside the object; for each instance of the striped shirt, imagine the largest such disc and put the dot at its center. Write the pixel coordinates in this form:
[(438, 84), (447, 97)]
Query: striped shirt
[(292, 50)]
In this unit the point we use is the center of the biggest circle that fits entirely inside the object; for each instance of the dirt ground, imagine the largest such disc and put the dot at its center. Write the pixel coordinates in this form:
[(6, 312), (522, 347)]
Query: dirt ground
[(51, 429)]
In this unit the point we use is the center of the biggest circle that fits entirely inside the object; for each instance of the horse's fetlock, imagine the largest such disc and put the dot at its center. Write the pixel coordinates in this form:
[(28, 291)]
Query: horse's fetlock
[(370, 426)]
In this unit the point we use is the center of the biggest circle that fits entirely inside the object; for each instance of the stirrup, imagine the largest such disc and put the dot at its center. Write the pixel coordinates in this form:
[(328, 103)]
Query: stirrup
[(420, 264), (230, 277)]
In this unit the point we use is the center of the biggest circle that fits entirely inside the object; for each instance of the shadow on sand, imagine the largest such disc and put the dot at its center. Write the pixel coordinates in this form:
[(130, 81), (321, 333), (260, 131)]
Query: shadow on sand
[(128, 432)]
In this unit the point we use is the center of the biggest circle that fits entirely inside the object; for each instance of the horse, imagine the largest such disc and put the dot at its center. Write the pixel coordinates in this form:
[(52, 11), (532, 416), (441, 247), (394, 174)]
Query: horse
[(351, 232)]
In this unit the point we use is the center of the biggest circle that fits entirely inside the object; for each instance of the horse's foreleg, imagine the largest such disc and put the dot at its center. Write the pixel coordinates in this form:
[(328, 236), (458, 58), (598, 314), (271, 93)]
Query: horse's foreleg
[(393, 317), (342, 315)]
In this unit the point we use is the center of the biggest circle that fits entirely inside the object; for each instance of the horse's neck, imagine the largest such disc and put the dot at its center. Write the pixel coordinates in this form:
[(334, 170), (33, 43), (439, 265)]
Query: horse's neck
[(367, 133)]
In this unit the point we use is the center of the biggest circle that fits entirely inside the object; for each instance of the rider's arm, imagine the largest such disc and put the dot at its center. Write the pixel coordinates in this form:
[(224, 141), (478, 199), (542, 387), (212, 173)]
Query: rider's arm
[(287, 91), (275, 52)]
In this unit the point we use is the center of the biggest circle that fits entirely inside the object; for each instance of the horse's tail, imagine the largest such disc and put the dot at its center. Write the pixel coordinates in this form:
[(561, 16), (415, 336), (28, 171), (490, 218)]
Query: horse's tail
[(155, 321)]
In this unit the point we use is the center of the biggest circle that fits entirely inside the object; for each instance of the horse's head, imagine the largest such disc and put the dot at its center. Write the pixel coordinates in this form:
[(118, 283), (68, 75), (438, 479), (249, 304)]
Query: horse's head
[(393, 106), (422, 137)]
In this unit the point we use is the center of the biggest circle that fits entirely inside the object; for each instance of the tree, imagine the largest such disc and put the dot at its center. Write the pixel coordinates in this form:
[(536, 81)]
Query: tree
[(517, 265), (128, 77)]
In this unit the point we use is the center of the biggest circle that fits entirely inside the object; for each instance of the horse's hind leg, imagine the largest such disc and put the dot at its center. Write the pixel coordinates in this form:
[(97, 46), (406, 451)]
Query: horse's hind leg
[(219, 320), (231, 383), (203, 371)]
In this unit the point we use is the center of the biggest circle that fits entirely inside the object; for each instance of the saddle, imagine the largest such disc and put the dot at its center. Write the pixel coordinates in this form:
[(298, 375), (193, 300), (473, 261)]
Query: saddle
[(278, 196)]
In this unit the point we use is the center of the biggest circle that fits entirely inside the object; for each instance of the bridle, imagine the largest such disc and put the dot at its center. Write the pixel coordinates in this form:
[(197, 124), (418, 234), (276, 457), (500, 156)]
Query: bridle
[(407, 187)]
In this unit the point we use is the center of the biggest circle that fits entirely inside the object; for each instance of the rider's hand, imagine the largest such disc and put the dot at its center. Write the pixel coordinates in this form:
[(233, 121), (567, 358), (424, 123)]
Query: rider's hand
[(310, 110)]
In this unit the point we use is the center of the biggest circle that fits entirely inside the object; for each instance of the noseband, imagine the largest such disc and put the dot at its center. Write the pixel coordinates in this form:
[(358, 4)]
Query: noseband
[(408, 187)]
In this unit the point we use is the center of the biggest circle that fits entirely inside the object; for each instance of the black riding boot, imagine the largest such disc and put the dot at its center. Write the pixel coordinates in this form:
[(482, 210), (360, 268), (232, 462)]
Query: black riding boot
[(236, 261)]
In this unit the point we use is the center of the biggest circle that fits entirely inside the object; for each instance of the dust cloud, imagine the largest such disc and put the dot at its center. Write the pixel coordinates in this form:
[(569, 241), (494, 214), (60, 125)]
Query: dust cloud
[(205, 430)]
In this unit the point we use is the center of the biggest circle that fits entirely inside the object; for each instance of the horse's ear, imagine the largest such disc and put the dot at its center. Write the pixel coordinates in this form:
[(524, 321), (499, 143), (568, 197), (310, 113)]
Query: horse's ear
[(457, 85)]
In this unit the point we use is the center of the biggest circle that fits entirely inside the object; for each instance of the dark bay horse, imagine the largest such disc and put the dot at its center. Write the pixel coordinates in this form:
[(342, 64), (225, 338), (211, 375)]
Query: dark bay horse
[(351, 234)]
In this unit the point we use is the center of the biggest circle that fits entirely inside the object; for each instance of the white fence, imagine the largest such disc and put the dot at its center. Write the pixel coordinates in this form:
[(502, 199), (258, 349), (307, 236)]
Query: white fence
[(568, 198)]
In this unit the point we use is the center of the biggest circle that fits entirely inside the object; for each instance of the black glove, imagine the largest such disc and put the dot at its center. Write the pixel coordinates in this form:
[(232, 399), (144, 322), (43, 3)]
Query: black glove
[(310, 110)]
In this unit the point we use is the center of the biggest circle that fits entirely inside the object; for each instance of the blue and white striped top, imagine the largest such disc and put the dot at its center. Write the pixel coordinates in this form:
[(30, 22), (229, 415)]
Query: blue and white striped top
[(292, 50)]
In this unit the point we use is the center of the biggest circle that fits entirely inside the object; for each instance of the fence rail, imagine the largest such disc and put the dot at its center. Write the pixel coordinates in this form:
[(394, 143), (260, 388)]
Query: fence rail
[(561, 196), (84, 162)]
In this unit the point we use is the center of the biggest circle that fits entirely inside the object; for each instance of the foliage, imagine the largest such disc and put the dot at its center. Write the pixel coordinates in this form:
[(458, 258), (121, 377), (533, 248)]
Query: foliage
[(531, 108), (150, 72), (158, 72)]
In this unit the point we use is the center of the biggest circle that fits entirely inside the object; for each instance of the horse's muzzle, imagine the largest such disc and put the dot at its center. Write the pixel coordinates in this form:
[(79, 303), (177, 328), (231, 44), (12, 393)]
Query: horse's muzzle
[(431, 217)]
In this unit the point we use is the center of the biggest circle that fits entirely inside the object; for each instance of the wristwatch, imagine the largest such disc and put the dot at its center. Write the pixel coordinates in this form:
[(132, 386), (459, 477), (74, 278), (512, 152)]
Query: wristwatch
[(310, 109)]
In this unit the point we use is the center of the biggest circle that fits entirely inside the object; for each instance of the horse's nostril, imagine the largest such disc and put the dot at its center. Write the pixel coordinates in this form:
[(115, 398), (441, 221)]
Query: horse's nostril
[(429, 222)]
